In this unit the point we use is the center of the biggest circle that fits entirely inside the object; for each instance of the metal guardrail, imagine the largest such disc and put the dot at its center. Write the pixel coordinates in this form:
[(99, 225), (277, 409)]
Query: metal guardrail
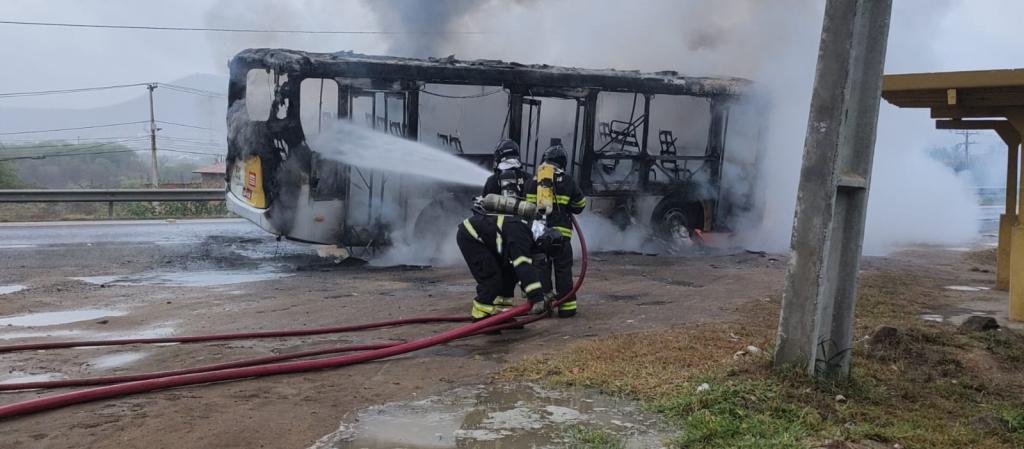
[(109, 196)]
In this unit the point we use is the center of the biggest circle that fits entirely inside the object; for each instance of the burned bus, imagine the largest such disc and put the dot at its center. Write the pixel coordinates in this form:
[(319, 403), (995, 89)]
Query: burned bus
[(672, 152)]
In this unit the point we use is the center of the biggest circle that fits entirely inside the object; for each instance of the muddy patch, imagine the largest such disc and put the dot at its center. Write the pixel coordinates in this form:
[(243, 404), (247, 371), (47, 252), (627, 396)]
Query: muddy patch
[(501, 415)]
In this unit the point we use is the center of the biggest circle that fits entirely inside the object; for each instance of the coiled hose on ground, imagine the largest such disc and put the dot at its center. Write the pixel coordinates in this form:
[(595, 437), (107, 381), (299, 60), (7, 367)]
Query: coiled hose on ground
[(262, 366)]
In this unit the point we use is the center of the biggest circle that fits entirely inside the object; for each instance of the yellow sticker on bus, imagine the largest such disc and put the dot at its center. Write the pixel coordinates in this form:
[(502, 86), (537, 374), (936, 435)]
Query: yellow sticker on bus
[(252, 183)]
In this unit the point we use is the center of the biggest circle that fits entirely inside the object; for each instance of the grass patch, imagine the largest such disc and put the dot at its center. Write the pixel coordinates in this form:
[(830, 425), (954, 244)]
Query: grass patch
[(986, 257), (1005, 344), (580, 437), (737, 414), (921, 391)]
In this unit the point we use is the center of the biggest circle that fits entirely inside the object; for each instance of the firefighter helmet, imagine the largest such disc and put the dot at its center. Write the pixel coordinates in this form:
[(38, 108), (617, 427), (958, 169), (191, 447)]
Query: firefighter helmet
[(555, 155)]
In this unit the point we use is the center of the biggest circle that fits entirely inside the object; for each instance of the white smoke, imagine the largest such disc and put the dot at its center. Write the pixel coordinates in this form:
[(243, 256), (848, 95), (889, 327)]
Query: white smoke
[(773, 43)]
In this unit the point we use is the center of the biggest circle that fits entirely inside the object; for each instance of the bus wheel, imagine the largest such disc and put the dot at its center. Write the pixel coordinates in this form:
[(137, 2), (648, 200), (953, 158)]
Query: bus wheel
[(434, 229), (678, 222)]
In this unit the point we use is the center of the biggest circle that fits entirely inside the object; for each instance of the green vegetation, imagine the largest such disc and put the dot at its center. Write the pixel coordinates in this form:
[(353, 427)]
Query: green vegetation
[(8, 177), (95, 165), (580, 437), (175, 209), (63, 165), (932, 387), (100, 211)]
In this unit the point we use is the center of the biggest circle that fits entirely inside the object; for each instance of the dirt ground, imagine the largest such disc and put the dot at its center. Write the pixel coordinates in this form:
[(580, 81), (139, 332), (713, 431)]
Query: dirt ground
[(623, 293)]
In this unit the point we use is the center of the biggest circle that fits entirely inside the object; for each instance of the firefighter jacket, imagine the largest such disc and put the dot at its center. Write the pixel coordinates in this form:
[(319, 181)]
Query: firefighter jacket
[(509, 238), (510, 182), (569, 199)]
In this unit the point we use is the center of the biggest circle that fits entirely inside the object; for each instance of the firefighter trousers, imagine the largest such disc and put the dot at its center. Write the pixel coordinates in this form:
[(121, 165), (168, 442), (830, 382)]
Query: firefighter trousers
[(560, 265), (494, 276)]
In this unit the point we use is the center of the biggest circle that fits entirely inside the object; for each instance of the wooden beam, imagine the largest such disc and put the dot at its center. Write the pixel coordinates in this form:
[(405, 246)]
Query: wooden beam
[(971, 124), (1004, 128), (953, 80), (962, 97), (954, 112)]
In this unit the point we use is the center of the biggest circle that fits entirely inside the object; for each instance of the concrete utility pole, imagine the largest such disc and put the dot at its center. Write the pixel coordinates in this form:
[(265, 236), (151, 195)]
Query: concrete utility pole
[(154, 173), (816, 324)]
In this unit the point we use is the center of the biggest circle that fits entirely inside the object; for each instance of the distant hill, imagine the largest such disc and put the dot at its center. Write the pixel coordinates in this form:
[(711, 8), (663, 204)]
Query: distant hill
[(170, 106)]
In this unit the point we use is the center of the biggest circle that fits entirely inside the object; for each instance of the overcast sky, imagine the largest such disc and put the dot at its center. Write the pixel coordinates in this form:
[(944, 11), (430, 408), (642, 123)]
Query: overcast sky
[(968, 34)]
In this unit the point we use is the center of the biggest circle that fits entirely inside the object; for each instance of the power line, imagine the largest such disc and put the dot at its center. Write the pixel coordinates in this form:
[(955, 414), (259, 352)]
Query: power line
[(174, 87), (192, 90), (67, 91), (79, 150), (17, 158), (30, 141), (190, 152), (185, 126), (108, 125), (226, 30), (191, 139), (66, 145), (94, 153)]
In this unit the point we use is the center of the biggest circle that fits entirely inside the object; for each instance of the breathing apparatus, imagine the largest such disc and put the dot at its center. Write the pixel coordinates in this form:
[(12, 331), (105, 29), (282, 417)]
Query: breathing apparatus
[(498, 204), (546, 239)]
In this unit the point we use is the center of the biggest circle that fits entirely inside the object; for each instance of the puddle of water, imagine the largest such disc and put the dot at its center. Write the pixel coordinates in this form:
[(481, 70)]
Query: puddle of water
[(148, 332), (36, 334), (52, 318), (504, 415), (5, 289), (935, 318), (19, 377), (117, 360), (188, 279), (965, 288)]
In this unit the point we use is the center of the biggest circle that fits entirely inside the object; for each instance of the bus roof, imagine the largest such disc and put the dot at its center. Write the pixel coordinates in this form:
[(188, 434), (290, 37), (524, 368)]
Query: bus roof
[(512, 75)]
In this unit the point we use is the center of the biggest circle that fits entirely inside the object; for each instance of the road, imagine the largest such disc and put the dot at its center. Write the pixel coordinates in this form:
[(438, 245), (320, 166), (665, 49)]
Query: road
[(114, 232), (120, 279)]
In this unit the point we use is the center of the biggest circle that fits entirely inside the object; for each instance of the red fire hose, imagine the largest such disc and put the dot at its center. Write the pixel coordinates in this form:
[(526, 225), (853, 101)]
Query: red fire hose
[(235, 336), (491, 323), (219, 366)]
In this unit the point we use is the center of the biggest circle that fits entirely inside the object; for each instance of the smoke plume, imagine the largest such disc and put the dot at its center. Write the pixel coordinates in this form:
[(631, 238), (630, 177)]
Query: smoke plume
[(773, 43)]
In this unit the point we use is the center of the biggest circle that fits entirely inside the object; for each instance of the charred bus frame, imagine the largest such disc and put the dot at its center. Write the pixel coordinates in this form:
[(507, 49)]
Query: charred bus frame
[(287, 161)]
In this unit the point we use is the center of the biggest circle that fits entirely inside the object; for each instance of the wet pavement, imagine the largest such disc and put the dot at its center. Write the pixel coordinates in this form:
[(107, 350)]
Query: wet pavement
[(201, 278), (48, 234), (7, 289), (495, 416), (54, 318)]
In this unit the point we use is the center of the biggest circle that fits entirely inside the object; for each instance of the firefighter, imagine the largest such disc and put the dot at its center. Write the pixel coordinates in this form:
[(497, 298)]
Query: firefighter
[(568, 199), (499, 252), (509, 177)]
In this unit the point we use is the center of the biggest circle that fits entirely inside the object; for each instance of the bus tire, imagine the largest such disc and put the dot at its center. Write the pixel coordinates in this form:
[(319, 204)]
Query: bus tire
[(678, 220), (437, 221)]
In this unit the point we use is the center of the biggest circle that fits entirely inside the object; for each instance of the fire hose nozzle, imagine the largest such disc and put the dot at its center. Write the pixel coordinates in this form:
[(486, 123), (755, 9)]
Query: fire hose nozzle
[(508, 205)]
